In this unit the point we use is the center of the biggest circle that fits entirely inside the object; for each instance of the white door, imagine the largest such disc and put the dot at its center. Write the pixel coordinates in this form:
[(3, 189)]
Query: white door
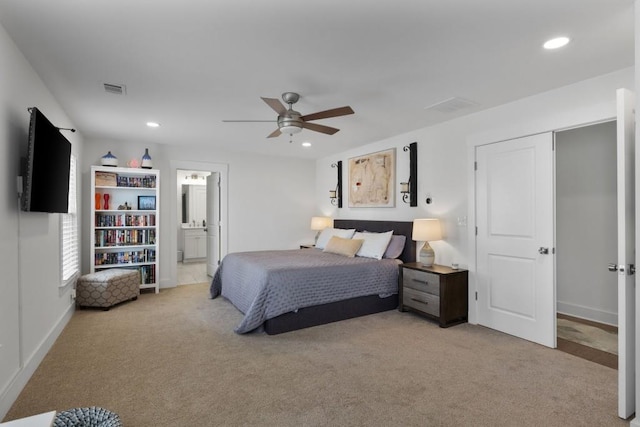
[(515, 254), (626, 253), (213, 222)]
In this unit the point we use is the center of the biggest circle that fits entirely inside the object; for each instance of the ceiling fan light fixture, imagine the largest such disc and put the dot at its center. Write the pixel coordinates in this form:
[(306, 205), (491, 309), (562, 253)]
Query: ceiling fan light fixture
[(290, 129), (290, 123)]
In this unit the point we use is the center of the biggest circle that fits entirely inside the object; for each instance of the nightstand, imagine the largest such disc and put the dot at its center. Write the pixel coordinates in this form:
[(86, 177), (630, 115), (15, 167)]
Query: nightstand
[(437, 292), (307, 246)]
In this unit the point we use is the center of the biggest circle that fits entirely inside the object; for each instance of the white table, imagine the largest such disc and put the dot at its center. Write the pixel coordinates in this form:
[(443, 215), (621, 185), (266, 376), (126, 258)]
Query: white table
[(40, 420)]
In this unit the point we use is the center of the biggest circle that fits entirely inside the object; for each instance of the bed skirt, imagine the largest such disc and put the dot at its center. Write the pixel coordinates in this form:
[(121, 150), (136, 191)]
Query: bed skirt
[(331, 312)]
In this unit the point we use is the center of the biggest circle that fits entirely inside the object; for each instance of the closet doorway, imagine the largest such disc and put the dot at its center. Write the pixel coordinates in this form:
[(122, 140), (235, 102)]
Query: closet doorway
[(586, 242)]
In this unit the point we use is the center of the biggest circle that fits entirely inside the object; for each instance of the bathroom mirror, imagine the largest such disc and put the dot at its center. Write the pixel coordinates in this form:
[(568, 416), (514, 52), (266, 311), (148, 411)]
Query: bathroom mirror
[(194, 204)]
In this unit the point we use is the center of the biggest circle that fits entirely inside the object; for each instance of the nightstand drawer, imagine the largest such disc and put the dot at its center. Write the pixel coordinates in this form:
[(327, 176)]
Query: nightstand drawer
[(421, 281), (422, 301)]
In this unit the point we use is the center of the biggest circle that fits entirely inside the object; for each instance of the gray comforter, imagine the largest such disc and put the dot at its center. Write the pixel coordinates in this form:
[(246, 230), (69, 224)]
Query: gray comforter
[(266, 284)]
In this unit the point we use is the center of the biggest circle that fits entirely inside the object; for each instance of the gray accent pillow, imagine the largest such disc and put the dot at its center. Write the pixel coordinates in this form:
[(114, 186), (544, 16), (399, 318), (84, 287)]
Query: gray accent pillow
[(395, 247)]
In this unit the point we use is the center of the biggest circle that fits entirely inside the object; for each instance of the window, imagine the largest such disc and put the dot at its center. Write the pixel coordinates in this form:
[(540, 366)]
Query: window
[(69, 227)]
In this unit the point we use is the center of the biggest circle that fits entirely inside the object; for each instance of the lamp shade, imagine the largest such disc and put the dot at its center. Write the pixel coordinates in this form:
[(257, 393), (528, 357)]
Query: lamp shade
[(426, 230), (321, 222)]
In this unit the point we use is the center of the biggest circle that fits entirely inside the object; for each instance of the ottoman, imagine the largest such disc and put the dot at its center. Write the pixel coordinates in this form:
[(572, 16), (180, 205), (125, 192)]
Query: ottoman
[(106, 288)]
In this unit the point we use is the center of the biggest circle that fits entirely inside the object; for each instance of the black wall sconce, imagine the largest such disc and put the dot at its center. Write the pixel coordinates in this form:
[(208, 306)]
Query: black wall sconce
[(336, 195), (409, 190)]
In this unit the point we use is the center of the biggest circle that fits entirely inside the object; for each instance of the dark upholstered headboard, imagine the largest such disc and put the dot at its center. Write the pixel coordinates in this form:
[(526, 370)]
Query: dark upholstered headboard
[(403, 228)]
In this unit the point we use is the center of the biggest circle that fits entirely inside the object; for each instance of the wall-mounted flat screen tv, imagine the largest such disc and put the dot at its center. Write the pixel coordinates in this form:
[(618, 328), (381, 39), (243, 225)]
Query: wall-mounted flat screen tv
[(46, 175)]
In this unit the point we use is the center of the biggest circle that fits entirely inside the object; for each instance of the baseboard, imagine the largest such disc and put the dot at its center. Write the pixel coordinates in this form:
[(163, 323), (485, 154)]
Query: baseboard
[(9, 395), (588, 313)]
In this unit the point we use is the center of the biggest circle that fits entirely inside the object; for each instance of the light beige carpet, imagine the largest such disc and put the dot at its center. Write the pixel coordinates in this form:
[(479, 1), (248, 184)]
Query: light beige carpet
[(173, 359), (591, 336)]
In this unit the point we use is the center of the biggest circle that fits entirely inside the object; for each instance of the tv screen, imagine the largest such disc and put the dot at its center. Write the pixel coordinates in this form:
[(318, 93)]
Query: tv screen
[(46, 178)]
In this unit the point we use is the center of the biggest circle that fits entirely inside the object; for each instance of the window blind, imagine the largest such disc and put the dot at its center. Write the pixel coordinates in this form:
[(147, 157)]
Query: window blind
[(69, 226)]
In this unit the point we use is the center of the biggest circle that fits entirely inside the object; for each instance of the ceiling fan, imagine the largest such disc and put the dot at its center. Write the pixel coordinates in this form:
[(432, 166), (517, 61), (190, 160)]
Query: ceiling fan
[(290, 121)]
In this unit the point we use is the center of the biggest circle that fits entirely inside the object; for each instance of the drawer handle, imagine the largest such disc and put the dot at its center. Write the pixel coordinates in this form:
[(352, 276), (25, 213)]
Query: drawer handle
[(417, 300), (420, 281)]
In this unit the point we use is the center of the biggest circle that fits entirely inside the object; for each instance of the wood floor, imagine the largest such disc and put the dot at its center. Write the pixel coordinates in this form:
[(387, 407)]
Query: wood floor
[(598, 356)]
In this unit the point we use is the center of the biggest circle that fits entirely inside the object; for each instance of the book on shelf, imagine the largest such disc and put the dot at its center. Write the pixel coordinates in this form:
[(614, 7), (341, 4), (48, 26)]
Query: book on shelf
[(148, 181), (125, 220), (125, 257), (127, 237)]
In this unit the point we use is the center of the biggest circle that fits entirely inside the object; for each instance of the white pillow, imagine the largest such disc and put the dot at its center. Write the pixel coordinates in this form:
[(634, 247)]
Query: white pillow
[(329, 232), (374, 244)]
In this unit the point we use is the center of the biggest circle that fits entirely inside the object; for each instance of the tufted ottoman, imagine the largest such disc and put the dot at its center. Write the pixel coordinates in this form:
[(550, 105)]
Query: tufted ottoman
[(107, 288)]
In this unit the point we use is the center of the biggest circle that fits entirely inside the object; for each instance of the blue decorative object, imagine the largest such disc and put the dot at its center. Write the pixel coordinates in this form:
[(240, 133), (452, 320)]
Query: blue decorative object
[(146, 160), (109, 160), (87, 417)]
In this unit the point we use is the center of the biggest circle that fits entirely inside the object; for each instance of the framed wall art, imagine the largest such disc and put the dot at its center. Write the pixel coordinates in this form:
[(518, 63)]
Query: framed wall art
[(371, 180)]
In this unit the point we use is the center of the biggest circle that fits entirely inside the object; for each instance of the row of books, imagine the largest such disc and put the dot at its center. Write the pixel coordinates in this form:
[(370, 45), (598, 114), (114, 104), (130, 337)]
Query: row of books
[(148, 181), (126, 257), (125, 220), (148, 273), (108, 238)]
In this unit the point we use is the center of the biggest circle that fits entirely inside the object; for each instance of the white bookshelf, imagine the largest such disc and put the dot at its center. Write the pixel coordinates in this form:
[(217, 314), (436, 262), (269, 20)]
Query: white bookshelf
[(125, 232)]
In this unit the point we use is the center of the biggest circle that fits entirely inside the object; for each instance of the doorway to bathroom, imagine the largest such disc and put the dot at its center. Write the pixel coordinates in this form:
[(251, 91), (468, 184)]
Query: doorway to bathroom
[(200, 238)]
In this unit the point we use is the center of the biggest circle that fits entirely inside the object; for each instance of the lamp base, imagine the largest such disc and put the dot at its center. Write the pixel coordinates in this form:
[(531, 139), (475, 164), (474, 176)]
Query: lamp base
[(427, 255)]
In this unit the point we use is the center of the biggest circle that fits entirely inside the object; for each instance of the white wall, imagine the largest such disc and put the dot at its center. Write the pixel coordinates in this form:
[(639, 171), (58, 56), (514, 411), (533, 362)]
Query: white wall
[(33, 306), (270, 199), (586, 222), (445, 158)]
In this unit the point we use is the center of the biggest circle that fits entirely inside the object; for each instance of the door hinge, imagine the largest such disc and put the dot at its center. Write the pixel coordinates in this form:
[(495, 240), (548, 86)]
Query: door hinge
[(476, 295), (475, 166), (476, 230)]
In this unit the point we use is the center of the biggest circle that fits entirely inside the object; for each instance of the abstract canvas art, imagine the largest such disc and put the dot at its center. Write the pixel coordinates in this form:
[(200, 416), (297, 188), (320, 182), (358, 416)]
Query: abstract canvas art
[(371, 180)]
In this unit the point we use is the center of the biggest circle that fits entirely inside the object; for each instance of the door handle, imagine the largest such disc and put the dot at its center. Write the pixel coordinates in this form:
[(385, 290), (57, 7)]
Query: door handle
[(614, 267), (543, 251)]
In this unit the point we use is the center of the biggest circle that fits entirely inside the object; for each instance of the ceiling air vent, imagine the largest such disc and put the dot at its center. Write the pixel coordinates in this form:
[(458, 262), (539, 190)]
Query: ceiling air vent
[(451, 105), (115, 89)]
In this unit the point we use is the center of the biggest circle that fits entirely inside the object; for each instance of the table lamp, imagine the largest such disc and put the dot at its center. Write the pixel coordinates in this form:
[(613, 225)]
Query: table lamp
[(426, 230), (319, 223)]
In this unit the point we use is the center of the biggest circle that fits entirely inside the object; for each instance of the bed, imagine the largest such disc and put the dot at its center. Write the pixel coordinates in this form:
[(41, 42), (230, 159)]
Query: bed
[(282, 291)]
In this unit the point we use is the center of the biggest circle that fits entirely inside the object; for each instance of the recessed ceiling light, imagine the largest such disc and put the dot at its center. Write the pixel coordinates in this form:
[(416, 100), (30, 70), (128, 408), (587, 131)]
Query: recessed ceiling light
[(306, 144), (556, 43), (153, 124)]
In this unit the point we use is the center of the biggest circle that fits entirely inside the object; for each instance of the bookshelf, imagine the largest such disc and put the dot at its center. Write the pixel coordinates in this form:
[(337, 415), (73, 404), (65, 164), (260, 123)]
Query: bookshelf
[(125, 220)]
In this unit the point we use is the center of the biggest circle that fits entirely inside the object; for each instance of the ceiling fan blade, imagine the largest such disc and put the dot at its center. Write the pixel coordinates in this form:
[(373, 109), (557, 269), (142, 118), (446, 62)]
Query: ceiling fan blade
[(277, 106), (320, 128), (275, 133), (334, 112), (249, 121)]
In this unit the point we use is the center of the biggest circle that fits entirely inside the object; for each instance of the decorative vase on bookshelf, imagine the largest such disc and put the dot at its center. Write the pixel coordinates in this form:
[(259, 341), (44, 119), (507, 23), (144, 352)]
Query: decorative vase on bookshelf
[(109, 160), (146, 160)]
